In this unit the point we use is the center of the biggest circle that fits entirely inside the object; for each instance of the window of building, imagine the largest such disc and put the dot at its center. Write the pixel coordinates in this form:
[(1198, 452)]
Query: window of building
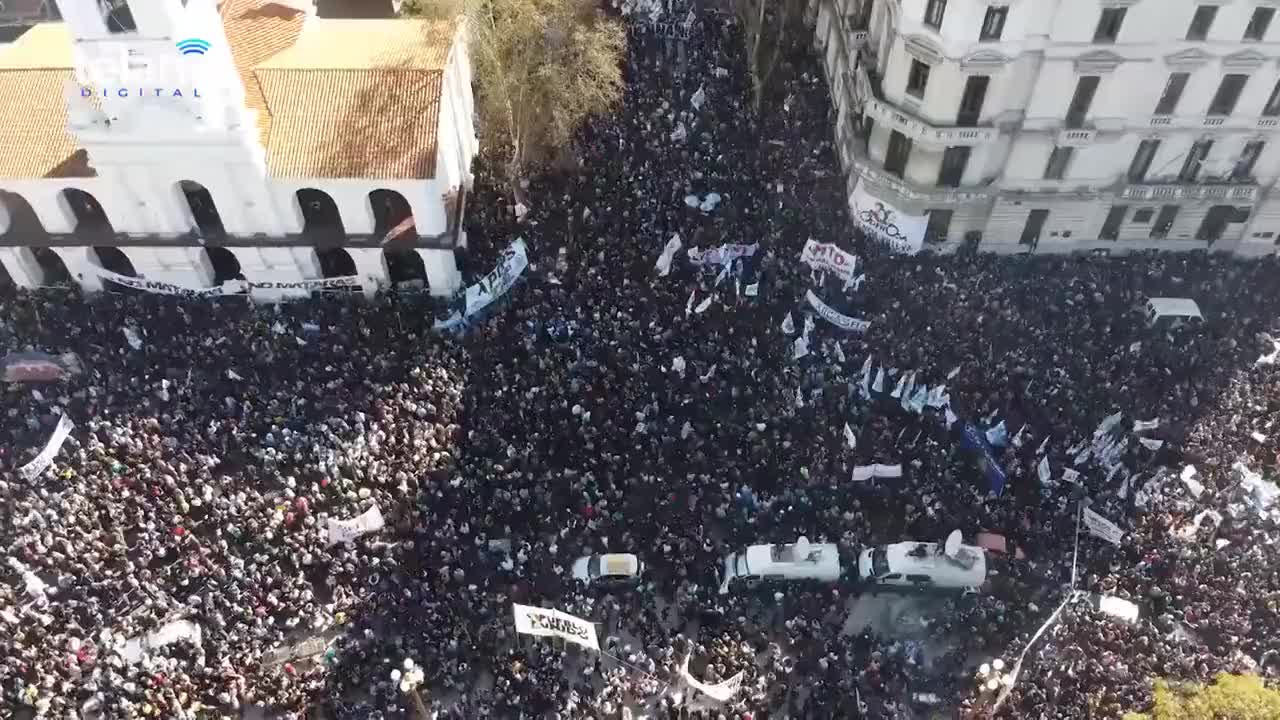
[(1173, 88), (899, 152), (1059, 159), (1164, 222), (1259, 23), (954, 162), (917, 78), (934, 12), (1243, 169), (1201, 21), (1082, 100), (1144, 215), (1195, 161), (117, 16), (993, 23), (1224, 101), (1109, 25), (939, 226), (1272, 108), (1111, 226), (1142, 160), (975, 93)]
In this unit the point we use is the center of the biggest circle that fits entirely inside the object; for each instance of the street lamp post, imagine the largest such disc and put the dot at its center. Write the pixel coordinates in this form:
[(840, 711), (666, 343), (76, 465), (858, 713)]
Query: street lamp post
[(409, 681)]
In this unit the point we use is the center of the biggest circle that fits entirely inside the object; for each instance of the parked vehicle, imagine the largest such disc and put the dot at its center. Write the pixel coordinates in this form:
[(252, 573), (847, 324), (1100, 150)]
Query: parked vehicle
[(781, 563), (925, 565), (608, 569)]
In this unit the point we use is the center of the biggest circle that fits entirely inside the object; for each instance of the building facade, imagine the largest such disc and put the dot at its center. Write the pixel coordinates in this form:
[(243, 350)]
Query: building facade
[(1063, 125), (194, 143)]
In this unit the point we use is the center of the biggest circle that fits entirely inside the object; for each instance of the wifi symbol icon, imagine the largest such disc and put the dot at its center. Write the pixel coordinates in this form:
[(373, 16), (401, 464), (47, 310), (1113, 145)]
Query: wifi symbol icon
[(193, 46)]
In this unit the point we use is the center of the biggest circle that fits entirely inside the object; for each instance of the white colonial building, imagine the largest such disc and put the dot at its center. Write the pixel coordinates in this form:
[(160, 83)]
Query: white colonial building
[(1063, 125), (193, 143)]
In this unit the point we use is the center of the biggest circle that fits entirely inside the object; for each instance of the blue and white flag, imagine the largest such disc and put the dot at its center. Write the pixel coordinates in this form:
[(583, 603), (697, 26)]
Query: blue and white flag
[(975, 442), (998, 436)]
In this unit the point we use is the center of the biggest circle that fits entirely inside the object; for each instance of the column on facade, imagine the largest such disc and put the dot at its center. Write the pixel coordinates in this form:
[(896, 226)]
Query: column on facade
[(371, 268), (442, 270), (267, 265), (22, 266), (185, 266), (82, 265), (353, 205)]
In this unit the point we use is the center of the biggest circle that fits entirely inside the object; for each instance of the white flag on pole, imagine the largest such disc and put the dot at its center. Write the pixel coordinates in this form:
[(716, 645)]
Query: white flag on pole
[(1102, 527), (1045, 473), (668, 254), (849, 438), (878, 385), (721, 691), (44, 459), (788, 324)]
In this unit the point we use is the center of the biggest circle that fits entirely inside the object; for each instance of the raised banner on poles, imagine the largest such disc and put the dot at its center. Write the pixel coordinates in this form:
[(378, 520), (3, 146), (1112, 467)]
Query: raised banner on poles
[(831, 315), (1102, 527), (904, 234), (722, 255), (721, 691), (492, 286), (42, 461), (541, 621), (345, 531), (863, 473), (829, 258)]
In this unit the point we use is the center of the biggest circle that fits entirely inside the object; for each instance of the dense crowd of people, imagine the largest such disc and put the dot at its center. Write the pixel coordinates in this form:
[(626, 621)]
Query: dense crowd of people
[(175, 560)]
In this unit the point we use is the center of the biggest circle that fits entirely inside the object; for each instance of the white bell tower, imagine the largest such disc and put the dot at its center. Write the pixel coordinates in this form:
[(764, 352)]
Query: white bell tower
[(152, 64)]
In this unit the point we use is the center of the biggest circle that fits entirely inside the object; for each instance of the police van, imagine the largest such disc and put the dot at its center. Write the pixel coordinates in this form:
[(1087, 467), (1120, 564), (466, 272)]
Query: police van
[(779, 564), (925, 565)]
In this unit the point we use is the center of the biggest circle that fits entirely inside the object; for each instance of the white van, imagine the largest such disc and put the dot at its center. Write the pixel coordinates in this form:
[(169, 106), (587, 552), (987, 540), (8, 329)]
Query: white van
[(781, 563), (1172, 311), (924, 565)]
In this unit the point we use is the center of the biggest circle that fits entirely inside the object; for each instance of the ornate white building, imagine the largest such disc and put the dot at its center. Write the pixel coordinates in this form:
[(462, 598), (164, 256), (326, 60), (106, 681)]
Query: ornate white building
[(193, 143), (1063, 125)]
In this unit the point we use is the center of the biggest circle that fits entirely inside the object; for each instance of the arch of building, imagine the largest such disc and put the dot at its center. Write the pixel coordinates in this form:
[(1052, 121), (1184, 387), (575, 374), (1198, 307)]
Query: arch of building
[(225, 264), (405, 266), (202, 211), (335, 262), (51, 265), (88, 216), (320, 215), (114, 259), (390, 209), (17, 216)]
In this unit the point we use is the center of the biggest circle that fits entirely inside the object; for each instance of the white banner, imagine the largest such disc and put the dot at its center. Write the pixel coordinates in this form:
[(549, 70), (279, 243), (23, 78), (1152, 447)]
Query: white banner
[(135, 648), (502, 278), (1145, 425), (721, 691), (668, 254), (1151, 444), (829, 258), (42, 461), (828, 313), (541, 621), (863, 473), (346, 282), (345, 531), (904, 234), (1102, 527), (722, 255), (231, 287)]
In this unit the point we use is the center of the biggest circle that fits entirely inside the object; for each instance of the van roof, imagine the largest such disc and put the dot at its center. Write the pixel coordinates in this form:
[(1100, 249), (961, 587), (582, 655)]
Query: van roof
[(821, 561), (968, 568), (1180, 307)]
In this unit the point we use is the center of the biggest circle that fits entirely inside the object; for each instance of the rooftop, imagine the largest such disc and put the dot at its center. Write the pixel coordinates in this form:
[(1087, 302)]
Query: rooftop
[(35, 71)]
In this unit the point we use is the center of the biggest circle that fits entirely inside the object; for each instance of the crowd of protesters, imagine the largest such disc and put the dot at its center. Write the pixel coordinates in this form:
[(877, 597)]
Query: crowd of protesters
[(596, 410)]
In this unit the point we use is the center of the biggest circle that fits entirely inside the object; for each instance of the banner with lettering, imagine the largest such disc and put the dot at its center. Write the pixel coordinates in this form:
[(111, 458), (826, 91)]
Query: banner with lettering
[(232, 287), (38, 367), (492, 286), (831, 315), (722, 255), (863, 473), (829, 258), (721, 691), (42, 461), (904, 234), (346, 282), (1102, 527), (345, 531), (541, 621)]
